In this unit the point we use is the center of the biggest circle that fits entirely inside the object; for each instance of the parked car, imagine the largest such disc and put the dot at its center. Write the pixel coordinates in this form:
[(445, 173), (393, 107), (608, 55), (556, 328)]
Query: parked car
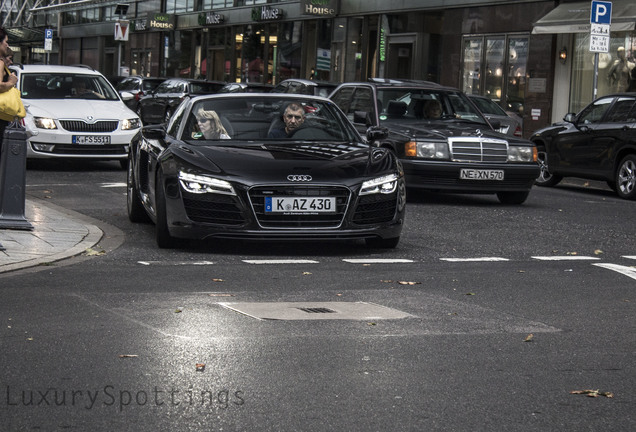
[(599, 143), (74, 112), (510, 123), (139, 86), (305, 86), (322, 182), (159, 104), (455, 150), (246, 87)]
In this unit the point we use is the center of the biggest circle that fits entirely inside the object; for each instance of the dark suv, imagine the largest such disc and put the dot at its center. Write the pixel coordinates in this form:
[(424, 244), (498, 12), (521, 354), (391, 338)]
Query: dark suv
[(442, 139), (598, 144), (159, 104)]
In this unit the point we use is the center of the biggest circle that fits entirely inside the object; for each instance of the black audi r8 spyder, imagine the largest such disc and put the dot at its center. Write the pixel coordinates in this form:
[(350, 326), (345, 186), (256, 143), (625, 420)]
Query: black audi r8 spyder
[(213, 172)]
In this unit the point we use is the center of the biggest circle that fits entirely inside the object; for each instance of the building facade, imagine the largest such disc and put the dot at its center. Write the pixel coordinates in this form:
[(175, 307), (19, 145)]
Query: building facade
[(511, 51)]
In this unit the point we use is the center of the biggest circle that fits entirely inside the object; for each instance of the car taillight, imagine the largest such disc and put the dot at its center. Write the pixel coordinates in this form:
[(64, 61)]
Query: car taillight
[(518, 131), (139, 95)]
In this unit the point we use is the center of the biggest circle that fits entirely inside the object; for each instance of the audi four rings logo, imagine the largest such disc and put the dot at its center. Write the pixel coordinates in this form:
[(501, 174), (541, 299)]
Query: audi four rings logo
[(303, 178)]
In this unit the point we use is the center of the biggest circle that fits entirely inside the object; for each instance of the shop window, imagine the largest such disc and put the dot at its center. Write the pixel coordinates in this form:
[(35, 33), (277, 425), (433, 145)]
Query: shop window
[(615, 69), (495, 66)]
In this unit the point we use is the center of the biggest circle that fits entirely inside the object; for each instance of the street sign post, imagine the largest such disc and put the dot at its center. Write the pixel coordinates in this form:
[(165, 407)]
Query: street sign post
[(600, 22)]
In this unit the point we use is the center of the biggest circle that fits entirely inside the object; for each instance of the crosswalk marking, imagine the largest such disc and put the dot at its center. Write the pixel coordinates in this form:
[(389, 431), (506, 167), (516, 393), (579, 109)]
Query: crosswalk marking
[(376, 261), (627, 271), (566, 258), (280, 261), (482, 259)]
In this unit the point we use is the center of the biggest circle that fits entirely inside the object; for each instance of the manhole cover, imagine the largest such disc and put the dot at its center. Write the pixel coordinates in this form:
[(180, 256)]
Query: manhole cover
[(316, 311)]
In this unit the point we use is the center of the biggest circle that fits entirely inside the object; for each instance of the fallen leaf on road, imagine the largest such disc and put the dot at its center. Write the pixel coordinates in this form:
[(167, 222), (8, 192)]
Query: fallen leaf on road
[(306, 273), (93, 252), (529, 338), (128, 355), (386, 281), (470, 293), (592, 393), (409, 283), (217, 280), (200, 367), (371, 324), (598, 252), (571, 253), (178, 310)]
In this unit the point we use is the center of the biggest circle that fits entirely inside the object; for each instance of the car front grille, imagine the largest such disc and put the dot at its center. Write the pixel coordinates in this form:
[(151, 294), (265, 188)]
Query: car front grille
[(213, 208), (476, 149), (288, 221), (376, 208), (82, 126)]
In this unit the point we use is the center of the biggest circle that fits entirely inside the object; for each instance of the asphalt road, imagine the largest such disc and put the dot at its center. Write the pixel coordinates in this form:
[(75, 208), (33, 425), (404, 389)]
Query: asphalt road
[(486, 317)]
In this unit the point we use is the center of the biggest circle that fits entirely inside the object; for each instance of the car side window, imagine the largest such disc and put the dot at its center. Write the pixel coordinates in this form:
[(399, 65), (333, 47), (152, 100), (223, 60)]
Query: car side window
[(163, 87), (342, 98), (595, 112), (621, 110)]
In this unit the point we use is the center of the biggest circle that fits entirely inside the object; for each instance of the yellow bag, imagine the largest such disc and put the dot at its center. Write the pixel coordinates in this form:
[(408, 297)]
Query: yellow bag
[(11, 104)]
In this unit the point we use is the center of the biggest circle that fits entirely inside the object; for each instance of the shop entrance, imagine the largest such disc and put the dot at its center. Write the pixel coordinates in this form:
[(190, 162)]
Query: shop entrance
[(400, 56)]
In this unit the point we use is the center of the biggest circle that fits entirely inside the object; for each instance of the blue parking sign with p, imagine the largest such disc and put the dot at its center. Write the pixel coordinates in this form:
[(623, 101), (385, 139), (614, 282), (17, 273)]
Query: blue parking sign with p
[(601, 12)]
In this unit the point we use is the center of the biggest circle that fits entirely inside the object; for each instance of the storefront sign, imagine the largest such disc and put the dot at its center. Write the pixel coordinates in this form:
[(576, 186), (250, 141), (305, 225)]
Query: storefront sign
[(266, 13), (161, 21), (382, 44), (537, 85), (211, 18), (323, 8), (139, 25)]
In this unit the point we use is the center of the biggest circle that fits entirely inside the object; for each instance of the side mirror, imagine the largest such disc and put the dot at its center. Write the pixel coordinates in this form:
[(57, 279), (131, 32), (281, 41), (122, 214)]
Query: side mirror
[(126, 96), (569, 117), (496, 124), (154, 132), (362, 117), (376, 133)]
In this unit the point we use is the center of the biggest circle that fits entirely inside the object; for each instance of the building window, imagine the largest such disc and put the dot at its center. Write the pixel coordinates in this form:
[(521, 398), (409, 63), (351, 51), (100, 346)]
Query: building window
[(616, 69), (495, 66)]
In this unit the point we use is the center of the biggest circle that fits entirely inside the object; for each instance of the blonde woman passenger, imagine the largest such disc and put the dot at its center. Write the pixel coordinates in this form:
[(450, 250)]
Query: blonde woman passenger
[(210, 125)]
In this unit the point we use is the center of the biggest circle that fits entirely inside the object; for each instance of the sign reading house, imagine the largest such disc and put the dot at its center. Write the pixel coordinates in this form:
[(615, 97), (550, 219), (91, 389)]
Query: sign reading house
[(161, 21), (211, 18), (322, 8), (266, 13)]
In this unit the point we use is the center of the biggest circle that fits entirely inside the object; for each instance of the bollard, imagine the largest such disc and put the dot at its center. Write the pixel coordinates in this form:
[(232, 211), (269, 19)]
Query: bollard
[(13, 178)]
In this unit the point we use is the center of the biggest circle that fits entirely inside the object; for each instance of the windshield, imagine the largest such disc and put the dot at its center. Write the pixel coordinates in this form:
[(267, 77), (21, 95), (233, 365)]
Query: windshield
[(64, 85), (267, 119), (415, 105)]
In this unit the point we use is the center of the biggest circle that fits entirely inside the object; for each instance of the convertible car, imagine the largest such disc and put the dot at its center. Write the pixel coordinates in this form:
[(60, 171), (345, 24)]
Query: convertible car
[(213, 171)]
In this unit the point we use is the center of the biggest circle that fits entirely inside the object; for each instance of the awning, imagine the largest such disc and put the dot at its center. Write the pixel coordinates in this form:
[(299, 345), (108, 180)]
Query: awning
[(575, 18)]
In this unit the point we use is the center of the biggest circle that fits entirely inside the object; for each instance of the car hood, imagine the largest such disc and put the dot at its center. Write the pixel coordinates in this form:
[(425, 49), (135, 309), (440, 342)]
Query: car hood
[(273, 162), (78, 109), (444, 129)]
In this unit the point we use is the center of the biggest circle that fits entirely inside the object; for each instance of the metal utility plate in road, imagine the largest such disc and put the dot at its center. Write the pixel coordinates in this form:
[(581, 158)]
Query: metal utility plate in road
[(316, 311)]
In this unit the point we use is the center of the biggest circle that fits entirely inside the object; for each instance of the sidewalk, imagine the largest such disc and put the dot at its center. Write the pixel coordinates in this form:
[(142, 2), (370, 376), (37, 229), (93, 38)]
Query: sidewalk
[(58, 234)]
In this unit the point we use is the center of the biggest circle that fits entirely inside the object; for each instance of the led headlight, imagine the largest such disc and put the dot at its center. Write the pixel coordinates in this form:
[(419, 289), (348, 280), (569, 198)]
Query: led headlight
[(427, 150), (129, 124), (44, 123), (384, 185), (522, 154), (200, 184)]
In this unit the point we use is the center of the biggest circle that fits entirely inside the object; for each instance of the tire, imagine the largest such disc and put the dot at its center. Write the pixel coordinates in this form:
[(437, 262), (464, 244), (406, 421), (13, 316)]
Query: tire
[(626, 178), (162, 234), (136, 211), (545, 177), (382, 243), (513, 197)]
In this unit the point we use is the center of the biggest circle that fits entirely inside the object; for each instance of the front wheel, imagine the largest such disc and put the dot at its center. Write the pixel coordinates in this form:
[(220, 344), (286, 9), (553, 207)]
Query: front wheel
[(545, 177), (513, 197), (136, 210), (162, 234), (626, 178)]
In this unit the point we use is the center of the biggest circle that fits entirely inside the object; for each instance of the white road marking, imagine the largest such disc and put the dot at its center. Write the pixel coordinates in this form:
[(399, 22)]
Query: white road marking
[(630, 257), (565, 258), (181, 263), (113, 185), (280, 261), (377, 261), (627, 271), (482, 259)]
